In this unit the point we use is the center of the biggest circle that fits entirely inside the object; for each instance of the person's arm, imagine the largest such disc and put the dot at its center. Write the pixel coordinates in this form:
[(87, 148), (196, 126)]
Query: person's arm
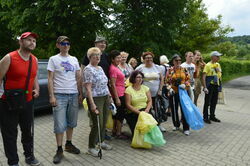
[(79, 85), (128, 104), (93, 107), (114, 91), (52, 98), (161, 84), (4, 66), (36, 88), (204, 83), (149, 102)]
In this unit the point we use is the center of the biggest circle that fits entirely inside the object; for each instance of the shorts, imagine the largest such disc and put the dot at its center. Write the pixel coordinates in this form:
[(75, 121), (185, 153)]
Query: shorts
[(65, 114)]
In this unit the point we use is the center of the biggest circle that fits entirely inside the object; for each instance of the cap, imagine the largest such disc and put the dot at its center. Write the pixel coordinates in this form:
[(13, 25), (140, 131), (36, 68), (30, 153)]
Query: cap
[(100, 38), (27, 34), (61, 38), (215, 53)]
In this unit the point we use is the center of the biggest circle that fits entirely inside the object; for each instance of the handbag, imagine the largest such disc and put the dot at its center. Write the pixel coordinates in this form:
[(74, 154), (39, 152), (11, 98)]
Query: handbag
[(16, 98)]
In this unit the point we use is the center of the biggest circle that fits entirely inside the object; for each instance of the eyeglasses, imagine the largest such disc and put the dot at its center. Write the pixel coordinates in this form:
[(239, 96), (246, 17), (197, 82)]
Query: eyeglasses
[(138, 77), (65, 44), (148, 58)]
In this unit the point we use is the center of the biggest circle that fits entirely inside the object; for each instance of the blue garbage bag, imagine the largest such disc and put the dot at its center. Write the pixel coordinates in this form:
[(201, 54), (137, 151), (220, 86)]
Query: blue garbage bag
[(191, 112)]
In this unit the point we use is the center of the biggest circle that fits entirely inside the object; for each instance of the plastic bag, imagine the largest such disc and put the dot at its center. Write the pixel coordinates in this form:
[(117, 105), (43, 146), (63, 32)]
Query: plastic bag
[(110, 122), (145, 122), (138, 141), (191, 112), (155, 137), (85, 105)]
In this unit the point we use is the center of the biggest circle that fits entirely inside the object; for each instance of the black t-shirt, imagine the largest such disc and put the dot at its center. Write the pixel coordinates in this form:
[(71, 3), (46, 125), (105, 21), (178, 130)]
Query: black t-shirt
[(104, 63)]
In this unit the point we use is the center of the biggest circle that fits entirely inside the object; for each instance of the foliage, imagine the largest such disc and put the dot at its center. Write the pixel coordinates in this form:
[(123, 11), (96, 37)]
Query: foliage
[(161, 26), (226, 48), (197, 31), (78, 19), (145, 25)]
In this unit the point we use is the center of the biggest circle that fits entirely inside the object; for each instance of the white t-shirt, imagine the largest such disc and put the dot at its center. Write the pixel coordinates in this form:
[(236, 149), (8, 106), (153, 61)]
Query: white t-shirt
[(151, 77), (191, 69), (64, 68)]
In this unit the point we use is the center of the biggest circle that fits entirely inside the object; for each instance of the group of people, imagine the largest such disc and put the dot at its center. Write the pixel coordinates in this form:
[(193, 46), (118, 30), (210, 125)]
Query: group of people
[(102, 79)]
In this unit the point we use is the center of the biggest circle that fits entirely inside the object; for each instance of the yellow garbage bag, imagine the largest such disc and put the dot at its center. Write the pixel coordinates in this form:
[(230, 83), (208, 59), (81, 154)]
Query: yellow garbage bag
[(110, 122), (85, 105), (145, 122), (138, 141)]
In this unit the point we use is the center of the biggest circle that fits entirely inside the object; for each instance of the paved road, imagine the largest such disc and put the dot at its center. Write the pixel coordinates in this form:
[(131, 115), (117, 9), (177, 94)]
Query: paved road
[(226, 143)]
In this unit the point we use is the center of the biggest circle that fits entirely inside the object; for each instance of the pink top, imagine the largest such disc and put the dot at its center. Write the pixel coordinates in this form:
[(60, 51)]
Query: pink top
[(115, 72)]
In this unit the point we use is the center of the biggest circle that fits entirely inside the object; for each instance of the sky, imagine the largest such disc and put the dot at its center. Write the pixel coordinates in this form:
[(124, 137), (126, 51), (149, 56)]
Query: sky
[(235, 13)]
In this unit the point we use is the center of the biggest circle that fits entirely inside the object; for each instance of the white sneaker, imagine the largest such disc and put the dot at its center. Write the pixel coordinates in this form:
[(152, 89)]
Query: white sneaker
[(175, 128), (187, 132), (93, 152), (106, 146), (162, 128)]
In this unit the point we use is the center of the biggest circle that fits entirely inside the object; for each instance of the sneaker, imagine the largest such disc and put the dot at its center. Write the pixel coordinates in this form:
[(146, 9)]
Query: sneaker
[(121, 136), (72, 149), (107, 137), (187, 132), (32, 161), (14, 165), (106, 146), (93, 152), (215, 119), (175, 128), (58, 157), (162, 128), (207, 121)]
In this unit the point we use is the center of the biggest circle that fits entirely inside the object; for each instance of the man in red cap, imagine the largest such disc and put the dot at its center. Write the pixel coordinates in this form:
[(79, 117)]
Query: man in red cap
[(19, 68)]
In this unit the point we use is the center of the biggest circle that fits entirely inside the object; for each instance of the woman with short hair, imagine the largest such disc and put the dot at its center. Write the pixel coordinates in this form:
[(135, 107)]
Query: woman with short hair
[(98, 98), (152, 78), (137, 97), (117, 81), (177, 77)]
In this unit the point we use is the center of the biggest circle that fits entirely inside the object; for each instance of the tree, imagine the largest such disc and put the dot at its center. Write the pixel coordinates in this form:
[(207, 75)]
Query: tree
[(145, 25), (196, 30), (78, 19)]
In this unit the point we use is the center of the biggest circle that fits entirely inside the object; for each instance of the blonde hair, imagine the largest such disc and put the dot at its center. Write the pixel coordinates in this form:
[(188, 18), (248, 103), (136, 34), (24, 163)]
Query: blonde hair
[(93, 51), (124, 53)]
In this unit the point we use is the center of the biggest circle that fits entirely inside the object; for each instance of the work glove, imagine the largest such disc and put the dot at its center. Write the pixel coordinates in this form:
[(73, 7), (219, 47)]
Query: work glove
[(205, 90), (182, 86), (171, 91)]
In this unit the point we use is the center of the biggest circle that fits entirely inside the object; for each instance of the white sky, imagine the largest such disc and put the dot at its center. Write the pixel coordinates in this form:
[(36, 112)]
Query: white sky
[(235, 13)]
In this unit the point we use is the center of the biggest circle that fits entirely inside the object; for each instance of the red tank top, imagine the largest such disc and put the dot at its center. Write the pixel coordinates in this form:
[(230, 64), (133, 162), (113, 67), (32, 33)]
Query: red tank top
[(17, 73)]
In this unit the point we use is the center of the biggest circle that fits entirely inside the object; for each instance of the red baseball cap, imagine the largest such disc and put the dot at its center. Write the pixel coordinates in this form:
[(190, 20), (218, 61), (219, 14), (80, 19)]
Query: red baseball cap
[(27, 34)]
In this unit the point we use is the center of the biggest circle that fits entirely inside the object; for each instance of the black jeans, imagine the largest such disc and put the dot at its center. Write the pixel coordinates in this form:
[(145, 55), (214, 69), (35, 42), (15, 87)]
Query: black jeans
[(210, 100), (9, 121), (131, 119), (174, 104)]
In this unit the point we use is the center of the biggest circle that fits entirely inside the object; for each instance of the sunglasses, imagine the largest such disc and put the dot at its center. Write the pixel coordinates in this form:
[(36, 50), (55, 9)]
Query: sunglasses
[(177, 60), (65, 44)]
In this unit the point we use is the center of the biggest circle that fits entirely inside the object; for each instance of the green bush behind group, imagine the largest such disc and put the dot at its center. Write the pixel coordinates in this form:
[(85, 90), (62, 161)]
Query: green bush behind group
[(162, 26)]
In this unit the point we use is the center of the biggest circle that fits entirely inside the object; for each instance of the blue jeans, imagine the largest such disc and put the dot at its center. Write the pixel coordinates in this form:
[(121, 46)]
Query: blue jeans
[(65, 114)]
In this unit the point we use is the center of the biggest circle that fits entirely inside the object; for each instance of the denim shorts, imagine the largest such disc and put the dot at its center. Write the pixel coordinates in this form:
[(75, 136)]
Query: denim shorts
[(65, 114)]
